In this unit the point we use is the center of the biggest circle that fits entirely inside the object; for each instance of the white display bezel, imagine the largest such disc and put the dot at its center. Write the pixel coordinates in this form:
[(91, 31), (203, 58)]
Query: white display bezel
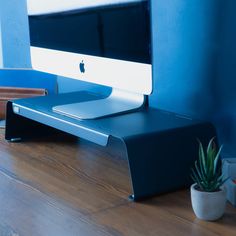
[(125, 75)]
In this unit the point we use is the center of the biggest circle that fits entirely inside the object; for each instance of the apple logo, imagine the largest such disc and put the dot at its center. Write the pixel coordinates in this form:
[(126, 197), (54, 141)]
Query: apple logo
[(81, 66)]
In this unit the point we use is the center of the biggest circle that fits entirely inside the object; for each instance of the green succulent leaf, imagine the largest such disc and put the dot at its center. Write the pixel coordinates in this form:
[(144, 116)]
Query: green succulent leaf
[(202, 158), (210, 147), (217, 158), (206, 171)]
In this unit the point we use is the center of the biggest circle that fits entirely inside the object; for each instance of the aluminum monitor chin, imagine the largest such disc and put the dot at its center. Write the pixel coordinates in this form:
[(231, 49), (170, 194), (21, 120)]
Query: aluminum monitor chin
[(103, 42)]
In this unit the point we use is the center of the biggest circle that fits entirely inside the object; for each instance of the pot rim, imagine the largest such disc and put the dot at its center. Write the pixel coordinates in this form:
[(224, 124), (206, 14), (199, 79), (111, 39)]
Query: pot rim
[(222, 189)]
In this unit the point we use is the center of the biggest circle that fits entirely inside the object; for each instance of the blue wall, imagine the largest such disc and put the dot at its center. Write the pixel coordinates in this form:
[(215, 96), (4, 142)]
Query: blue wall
[(14, 35), (185, 45), (29, 79), (15, 50), (226, 76), (194, 45), (1, 53)]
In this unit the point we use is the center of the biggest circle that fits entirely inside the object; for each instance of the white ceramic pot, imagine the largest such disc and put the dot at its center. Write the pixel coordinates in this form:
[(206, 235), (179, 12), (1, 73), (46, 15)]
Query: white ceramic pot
[(208, 205)]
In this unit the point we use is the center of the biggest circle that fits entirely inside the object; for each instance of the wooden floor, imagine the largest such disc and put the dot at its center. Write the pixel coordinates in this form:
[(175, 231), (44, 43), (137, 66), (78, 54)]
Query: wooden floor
[(61, 186)]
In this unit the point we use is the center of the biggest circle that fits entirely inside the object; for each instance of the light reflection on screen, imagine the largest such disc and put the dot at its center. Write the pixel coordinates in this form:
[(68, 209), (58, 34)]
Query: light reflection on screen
[(36, 7)]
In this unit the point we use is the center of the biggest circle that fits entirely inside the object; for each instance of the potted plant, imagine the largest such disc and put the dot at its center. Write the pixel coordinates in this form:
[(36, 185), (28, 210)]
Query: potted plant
[(208, 195)]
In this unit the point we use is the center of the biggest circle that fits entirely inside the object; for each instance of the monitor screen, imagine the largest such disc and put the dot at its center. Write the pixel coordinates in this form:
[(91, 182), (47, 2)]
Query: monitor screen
[(109, 38)]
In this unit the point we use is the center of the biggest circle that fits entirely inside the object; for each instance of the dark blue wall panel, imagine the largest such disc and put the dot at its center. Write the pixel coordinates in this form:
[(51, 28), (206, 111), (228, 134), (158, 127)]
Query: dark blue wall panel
[(194, 62), (226, 74), (185, 45)]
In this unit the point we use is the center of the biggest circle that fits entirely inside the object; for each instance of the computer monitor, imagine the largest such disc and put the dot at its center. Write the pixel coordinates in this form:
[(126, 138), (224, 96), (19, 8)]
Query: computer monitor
[(106, 42)]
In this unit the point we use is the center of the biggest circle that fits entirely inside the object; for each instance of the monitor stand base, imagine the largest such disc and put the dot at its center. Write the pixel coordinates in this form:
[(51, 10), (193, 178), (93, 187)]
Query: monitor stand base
[(117, 102)]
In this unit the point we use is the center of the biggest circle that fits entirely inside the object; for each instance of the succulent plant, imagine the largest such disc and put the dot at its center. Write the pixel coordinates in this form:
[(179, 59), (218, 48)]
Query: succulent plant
[(207, 171)]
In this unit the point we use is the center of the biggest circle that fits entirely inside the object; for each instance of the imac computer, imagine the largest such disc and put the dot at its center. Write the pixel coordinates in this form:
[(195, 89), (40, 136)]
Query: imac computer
[(106, 42)]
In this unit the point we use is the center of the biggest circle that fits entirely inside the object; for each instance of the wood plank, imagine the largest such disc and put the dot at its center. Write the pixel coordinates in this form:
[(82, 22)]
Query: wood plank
[(179, 204), (62, 173), (27, 211), (147, 219), (66, 186), (165, 215)]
